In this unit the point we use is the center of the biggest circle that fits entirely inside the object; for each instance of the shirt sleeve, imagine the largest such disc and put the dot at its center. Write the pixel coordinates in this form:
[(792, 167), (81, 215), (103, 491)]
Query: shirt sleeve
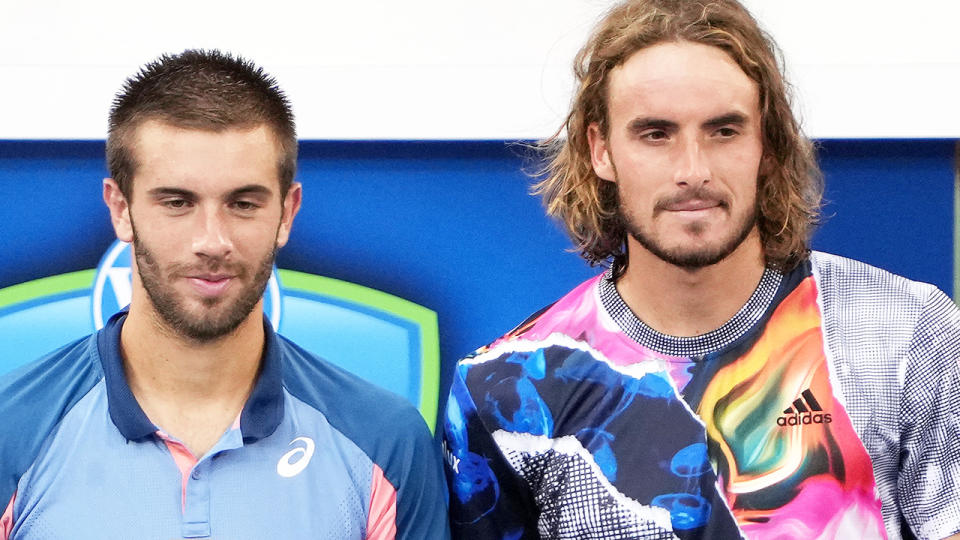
[(421, 494), (487, 499), (929, 481), (6, 520)]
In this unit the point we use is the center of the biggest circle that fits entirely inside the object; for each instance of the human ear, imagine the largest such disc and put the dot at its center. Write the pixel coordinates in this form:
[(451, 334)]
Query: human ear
[(600, 153), (119, 209), (291, 205)]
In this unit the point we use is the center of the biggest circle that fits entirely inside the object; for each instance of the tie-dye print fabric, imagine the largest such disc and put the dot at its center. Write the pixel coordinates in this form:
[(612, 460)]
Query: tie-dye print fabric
[(788, 474), (568, 428)]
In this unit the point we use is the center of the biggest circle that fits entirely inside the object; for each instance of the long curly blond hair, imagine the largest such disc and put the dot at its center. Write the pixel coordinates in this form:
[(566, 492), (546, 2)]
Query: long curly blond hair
[(788, 197)]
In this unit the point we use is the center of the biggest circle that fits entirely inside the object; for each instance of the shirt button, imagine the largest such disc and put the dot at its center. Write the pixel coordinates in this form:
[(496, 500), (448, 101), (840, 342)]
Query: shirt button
[(195, 474)]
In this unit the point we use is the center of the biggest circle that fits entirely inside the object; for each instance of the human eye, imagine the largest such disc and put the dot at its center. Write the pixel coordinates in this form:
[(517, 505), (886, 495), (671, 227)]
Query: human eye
[(175, 203), (245, 206), (726, 132), (654, 135)]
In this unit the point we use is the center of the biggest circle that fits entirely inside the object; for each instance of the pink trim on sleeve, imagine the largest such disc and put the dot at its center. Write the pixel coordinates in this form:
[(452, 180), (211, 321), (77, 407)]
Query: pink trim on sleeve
[(6, 520), (382, 518)]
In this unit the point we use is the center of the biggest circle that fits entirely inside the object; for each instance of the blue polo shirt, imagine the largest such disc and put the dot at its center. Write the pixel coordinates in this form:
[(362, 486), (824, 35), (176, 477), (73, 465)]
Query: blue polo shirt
[(315, 453)]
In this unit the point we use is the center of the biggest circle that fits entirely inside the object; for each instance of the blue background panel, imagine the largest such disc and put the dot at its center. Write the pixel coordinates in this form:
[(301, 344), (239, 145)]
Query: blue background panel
[(450, 225), (20, 322), (890, 203), (343, 340), (53, 218)]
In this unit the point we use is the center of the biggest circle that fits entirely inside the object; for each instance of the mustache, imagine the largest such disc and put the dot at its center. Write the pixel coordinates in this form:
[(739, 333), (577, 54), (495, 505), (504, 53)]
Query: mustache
[(208, 266), (700, 193)]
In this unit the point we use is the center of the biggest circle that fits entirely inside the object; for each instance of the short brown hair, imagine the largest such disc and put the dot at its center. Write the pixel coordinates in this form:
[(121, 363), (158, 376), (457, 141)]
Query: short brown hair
[(199, 89), (788, 197)]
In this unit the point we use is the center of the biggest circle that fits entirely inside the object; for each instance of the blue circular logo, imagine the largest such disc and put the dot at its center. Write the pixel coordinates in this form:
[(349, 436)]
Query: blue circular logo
[(113, 287)]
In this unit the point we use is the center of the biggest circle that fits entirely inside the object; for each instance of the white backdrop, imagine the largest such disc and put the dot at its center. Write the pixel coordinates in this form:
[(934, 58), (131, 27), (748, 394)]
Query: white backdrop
[(451, 69)]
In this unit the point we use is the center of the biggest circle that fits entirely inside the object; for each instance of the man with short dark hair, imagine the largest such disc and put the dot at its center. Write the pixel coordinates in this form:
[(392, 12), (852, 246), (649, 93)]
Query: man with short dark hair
[(187, 416), (720, 380)]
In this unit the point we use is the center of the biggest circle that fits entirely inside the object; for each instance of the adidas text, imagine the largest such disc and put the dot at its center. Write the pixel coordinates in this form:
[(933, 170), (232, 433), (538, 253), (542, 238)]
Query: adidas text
[(804, 418)]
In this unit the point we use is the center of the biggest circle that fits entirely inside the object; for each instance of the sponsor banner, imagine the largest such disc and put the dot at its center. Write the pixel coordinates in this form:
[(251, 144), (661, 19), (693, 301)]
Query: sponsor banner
[(387, 340)]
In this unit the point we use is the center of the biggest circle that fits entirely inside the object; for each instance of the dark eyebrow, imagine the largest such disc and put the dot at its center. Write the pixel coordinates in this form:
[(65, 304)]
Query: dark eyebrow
[(159, 192), (641, 124), (252, 189), (733, 118)]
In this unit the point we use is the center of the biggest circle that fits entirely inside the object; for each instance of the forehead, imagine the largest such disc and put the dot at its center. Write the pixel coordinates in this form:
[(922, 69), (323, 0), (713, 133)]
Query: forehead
[(681, 77), (173, 154)]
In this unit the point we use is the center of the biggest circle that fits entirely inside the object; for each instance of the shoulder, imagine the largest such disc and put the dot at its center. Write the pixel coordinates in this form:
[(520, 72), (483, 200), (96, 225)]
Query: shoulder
[(871, 313), (376, 420), (33, 400), (570, 315), (857, 297), (49, 384), (859, 281), (385, 427), (574, 325)]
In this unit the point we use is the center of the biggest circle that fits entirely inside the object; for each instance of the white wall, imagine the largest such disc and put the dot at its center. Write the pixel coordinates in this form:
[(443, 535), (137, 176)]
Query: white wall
[(451, 69)]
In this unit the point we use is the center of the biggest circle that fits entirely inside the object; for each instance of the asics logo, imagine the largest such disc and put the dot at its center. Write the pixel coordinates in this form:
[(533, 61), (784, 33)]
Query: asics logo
[(295, 461)]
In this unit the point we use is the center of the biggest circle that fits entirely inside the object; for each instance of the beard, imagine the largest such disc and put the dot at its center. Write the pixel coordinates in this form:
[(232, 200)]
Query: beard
[(690, 258), (216, 320)]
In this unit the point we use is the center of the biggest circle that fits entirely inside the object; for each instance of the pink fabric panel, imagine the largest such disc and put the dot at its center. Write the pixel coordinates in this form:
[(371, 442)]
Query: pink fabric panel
[(6, 520), (382, 518), (184, 460)]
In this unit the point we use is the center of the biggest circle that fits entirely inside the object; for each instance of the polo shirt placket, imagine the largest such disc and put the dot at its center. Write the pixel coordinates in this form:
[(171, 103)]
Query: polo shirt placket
[(260, 416)]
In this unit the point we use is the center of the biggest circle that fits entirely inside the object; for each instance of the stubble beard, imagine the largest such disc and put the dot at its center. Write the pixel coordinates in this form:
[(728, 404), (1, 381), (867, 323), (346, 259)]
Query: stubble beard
[(212, 324), (688, 259)]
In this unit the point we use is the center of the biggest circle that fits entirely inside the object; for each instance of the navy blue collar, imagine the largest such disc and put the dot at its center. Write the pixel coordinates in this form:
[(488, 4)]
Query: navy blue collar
[(261, 414)]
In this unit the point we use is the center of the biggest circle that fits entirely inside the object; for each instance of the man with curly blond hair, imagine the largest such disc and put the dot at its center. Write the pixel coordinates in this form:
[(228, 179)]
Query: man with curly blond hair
[(719, 380)]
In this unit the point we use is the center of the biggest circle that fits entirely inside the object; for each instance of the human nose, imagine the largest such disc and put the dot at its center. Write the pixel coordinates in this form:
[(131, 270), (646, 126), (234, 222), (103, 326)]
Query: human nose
[(693, 168), (211, 237)]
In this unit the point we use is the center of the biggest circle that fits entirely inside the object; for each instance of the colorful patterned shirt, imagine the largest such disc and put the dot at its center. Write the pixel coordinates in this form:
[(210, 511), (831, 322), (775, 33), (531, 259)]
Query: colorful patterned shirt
[(827, 407)]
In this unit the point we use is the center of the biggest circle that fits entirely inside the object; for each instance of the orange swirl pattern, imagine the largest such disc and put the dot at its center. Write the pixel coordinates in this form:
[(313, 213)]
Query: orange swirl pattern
[(786, 472)]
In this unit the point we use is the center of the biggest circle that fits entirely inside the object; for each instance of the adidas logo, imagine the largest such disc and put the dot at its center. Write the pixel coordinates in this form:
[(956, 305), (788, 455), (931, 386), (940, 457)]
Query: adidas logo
[(804, 410)]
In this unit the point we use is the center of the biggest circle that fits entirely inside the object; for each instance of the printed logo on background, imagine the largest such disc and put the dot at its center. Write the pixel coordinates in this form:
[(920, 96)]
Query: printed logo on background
[(112, 287), (384, 339)]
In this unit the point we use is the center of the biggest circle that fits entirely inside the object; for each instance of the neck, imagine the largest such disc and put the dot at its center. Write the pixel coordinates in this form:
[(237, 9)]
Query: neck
[(688, 302), (192, 390)]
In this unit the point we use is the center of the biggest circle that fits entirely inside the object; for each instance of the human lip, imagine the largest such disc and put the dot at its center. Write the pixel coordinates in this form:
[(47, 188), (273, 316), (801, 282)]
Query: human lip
[(210, 284), (692, 205)]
